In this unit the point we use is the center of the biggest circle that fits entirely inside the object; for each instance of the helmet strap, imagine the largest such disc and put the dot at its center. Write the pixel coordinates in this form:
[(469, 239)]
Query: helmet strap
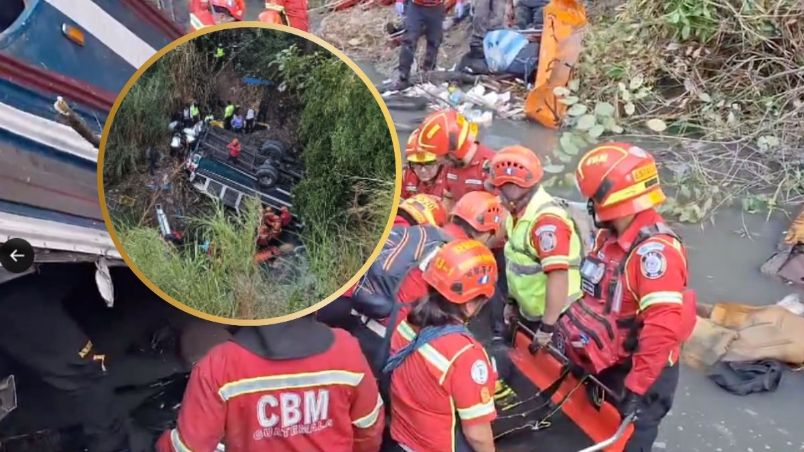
[(590, 209)]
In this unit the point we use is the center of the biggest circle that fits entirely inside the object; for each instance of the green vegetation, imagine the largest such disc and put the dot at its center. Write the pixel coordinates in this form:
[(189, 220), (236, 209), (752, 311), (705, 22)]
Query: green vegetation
[(714, 88), (344, 198)]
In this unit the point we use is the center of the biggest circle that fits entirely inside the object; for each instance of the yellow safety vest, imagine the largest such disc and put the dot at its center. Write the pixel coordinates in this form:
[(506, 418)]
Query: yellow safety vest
[(229, 111), (527, 282), (194, 111)]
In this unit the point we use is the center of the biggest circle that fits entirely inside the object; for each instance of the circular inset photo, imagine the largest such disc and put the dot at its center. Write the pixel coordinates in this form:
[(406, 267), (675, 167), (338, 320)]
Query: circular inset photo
[(247, 174)]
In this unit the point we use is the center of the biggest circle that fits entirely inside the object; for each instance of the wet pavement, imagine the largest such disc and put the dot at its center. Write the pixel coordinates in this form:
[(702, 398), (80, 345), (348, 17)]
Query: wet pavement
[(724, 266)]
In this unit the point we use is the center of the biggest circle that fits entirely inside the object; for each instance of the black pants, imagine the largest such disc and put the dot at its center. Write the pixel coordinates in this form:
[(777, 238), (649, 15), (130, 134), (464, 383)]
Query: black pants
[(249, 125), (421, 20), (530, 14), (498, 301), (654, 407), (37, 333), (227, 123)]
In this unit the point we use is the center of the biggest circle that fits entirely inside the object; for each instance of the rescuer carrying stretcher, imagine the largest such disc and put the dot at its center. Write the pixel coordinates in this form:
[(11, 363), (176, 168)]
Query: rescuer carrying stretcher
[(636, 308)]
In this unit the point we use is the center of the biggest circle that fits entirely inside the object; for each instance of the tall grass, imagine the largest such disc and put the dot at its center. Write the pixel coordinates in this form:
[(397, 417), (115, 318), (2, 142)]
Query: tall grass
[(230, 284)]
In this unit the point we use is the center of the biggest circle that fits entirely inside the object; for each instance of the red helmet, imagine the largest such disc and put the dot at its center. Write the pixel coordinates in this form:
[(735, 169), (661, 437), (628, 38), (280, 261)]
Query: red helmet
[(481, 210), (274, 14), (461, 271), (413, 154), (425, 209), (517, 165), (235, 8), (620, 179), (447, 132)]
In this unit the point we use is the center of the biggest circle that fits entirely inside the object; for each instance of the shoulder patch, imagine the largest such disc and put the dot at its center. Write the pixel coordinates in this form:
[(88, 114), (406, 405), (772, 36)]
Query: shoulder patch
[(650, 246), (546, 228), (547, 241), (480, 372), (485, 395), (653, 264)]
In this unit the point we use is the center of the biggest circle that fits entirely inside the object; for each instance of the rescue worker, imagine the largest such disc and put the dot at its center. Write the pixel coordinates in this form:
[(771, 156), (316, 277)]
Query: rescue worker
[(438, 375), (448, 133), (530, 14), (422, 17), (205, 13), (296, 13), (237, 122), (234, 150), (219, 53), (373, 295), (487, 15), (273, 14), (37, 332), (228, 112), (421, 209), (295, 386), (195, 114), (543, 250), (636, 309), (250, 115), (424, 170)]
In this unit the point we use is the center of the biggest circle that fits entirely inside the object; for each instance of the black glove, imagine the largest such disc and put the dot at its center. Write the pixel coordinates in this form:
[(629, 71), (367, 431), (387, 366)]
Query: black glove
[(630, 404)]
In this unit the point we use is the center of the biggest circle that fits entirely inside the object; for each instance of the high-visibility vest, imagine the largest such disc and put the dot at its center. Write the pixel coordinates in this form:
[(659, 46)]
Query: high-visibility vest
[(229, 111), (219, 52), (527, 282), (194, 111)]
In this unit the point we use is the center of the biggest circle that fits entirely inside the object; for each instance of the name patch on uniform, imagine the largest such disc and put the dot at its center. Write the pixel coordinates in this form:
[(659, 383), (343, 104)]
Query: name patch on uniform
[(480, 372), (648, 247), (473, 182), (654, 264), (452, 176), (547, 241)]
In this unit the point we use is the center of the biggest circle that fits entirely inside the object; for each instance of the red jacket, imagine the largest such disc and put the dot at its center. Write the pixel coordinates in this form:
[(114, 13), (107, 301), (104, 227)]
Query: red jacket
[(234, 149), (655, 278), (411, 185), (328, 401), (434, 392), (296, 11), (462, 180)]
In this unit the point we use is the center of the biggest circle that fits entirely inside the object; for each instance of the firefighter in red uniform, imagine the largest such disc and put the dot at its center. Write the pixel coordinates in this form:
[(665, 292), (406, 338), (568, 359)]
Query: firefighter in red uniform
[(418, 210), (205, 13), (438, 375), (424, 172), (294, 386), (421, 209), (448, 133), (636, 309)]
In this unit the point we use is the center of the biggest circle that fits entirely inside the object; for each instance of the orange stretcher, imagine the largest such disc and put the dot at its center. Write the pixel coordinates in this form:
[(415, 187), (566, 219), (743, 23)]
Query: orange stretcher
[(561, 44), (569, 420)]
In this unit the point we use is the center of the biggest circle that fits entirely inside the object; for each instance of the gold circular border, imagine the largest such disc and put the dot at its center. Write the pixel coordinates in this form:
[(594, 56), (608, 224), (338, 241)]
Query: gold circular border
[(102, 195)]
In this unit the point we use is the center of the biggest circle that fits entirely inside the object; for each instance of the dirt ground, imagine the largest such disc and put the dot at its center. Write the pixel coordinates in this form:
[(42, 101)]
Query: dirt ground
[(361, 33)]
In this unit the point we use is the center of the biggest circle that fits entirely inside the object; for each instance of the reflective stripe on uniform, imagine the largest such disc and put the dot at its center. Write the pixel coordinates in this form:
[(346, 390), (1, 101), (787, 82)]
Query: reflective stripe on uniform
[(660, 297), (175, 441), (427, 351), (523, 269), (274, 382), (196, 22), (553, 260), (481, 409), (430, 354), (371, 418)]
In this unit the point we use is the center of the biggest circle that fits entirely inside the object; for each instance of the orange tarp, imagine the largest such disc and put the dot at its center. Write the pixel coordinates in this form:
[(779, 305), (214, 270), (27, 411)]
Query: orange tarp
[(561, 45)]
